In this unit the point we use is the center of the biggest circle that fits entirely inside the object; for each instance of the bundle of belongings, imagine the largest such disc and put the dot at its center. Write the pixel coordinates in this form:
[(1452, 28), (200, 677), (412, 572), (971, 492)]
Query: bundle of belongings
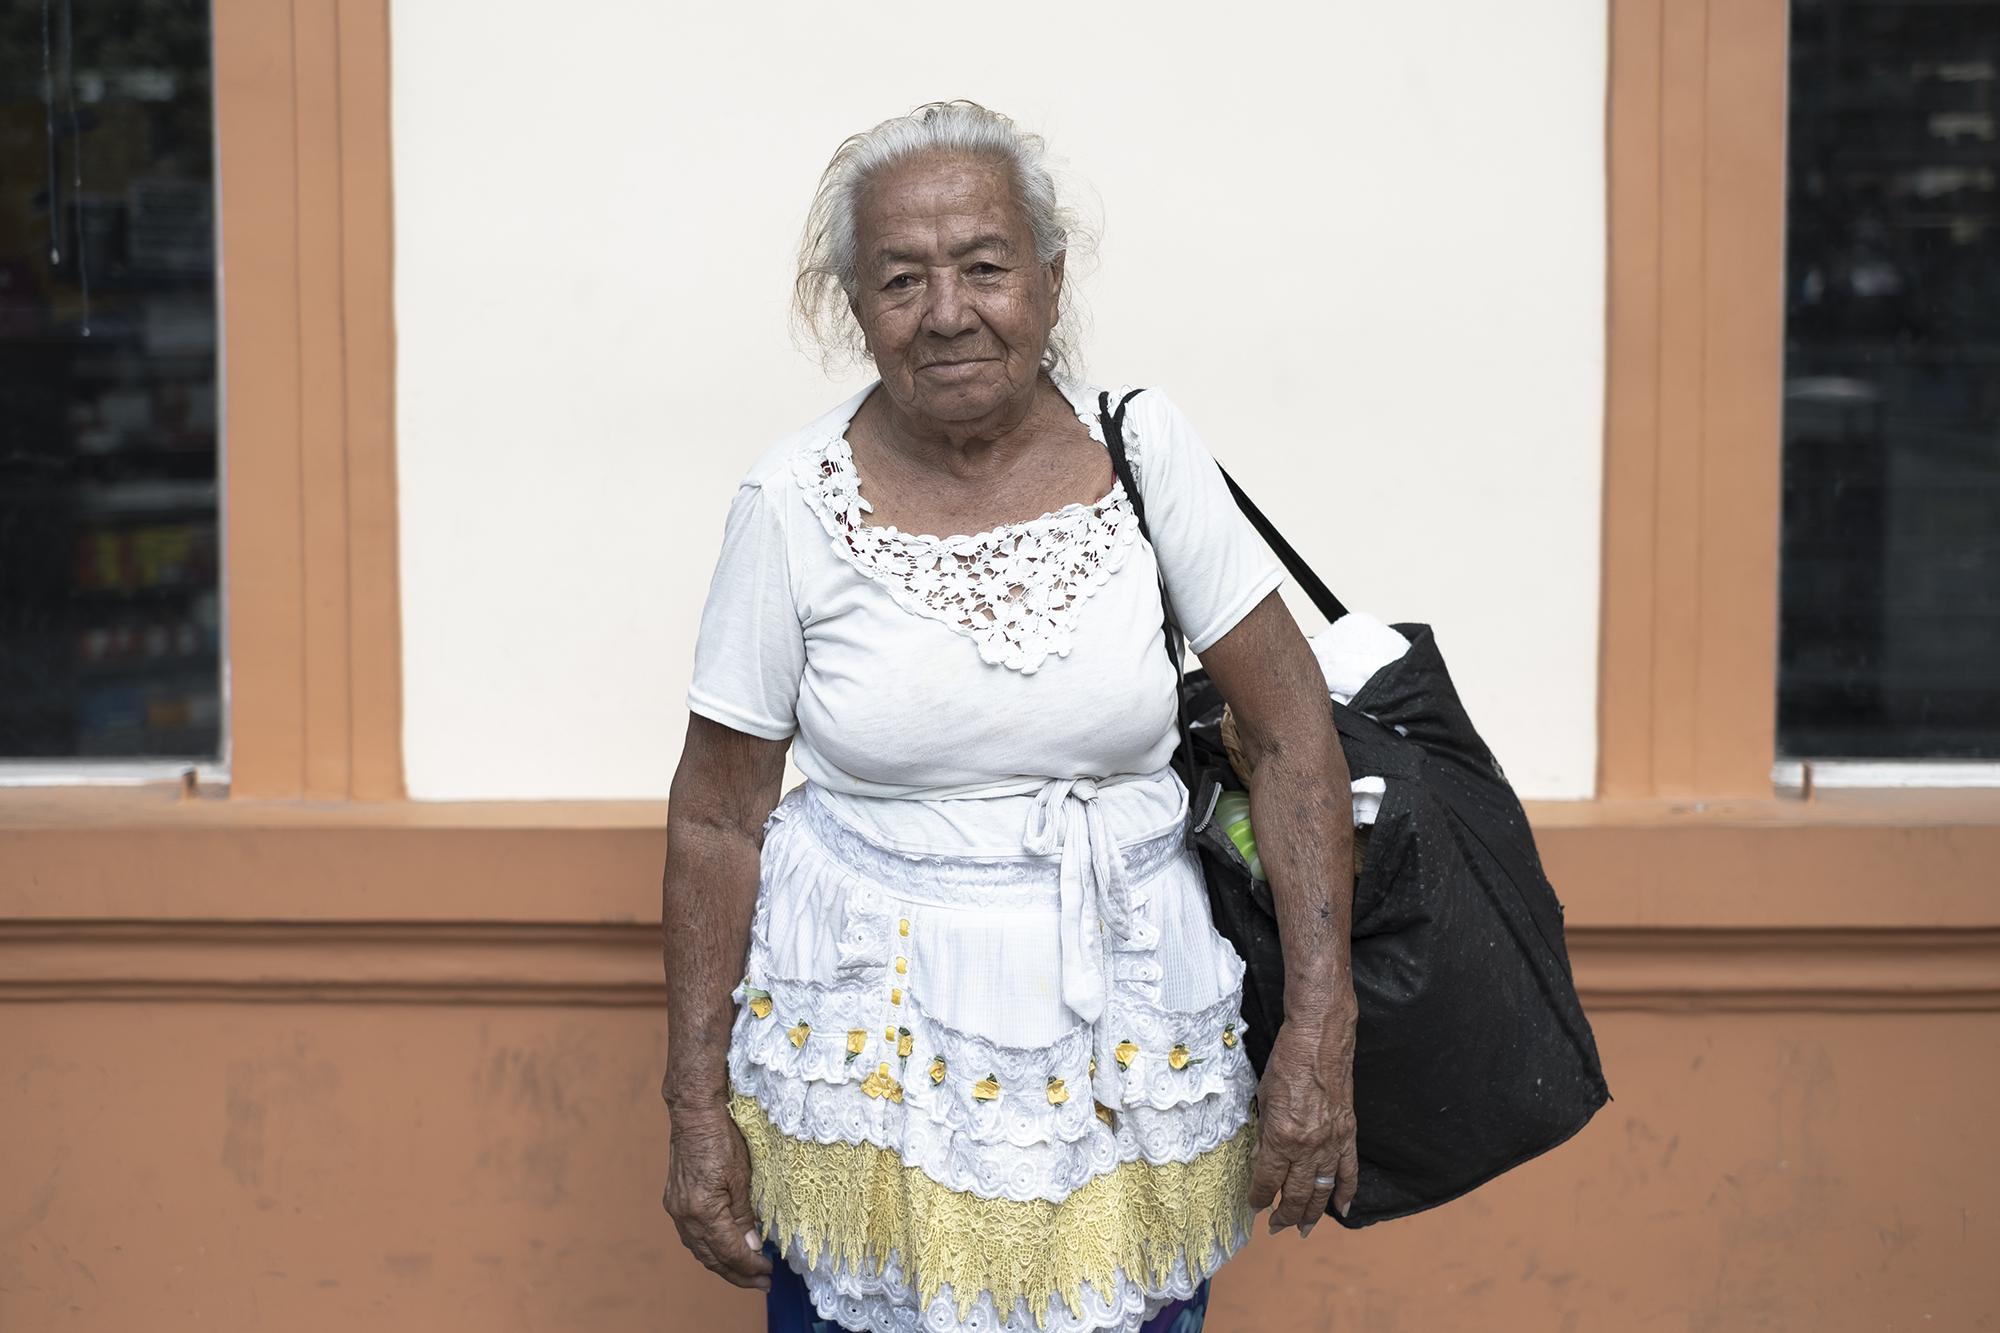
[(1473, 1053)]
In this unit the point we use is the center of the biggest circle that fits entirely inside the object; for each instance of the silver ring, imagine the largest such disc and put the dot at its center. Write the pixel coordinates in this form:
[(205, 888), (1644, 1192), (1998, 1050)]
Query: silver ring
[(1326, 1180)]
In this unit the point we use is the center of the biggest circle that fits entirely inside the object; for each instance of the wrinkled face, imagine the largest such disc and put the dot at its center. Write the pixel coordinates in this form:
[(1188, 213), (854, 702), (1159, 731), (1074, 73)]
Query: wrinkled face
[(954, 305)]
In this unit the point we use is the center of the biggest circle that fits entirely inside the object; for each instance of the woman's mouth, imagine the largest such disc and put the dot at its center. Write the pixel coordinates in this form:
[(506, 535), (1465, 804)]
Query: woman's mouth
[(950, 369)]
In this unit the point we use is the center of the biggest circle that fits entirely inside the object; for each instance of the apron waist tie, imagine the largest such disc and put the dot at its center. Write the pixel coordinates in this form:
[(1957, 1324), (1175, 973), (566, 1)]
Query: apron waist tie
[(1095, 892)]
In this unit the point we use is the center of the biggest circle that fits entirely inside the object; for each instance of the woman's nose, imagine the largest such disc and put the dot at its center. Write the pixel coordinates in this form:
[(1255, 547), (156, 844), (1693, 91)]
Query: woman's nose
[(950, 311)]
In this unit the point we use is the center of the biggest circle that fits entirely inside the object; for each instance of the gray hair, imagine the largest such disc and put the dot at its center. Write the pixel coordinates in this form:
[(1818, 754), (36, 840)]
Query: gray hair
[(828, 281)]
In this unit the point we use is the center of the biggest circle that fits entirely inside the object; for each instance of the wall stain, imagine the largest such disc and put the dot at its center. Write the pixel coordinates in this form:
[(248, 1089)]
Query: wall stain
[(45, 1194), (243, 1124), (411, 1265), (541, 1099), (1778, 1204), (254, 1088)]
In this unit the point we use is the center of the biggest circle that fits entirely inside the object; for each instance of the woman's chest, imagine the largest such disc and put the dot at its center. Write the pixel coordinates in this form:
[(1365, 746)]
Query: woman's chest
[(960, 672)]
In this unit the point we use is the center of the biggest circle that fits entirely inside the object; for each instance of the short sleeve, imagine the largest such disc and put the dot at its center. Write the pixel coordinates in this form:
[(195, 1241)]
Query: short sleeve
[(750, 654), (1215, 565)]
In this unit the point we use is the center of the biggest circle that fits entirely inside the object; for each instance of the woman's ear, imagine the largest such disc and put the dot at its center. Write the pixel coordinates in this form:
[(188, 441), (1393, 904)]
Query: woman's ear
[(1055, 286)]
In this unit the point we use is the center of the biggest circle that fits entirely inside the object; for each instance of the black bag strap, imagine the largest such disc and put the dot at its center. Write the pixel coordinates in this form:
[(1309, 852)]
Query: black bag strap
[(1295, 564), (1113, 422), (1323, 600)]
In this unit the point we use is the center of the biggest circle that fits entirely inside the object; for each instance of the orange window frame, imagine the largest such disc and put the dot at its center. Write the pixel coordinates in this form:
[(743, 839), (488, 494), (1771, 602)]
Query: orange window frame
[(1695, 153), (310, 581)]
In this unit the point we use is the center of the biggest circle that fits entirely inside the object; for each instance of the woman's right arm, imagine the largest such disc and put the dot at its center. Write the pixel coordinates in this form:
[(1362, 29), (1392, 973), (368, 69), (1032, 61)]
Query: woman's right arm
[(727, 784)]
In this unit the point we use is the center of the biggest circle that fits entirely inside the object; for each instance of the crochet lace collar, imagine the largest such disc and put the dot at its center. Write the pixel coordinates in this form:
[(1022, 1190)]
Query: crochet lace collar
[(1017, 590)]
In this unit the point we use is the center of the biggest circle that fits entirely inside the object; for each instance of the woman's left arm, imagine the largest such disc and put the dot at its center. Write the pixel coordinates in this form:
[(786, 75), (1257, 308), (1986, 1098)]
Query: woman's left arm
[(1301, 806)]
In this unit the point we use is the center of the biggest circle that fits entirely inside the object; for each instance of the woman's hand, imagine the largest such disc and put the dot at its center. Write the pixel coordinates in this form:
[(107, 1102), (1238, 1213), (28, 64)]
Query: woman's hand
[(708, 1196), (1305, 1105)]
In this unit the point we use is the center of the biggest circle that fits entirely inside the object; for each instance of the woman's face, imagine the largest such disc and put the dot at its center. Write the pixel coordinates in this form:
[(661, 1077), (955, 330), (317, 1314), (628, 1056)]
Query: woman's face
[(954, 305)]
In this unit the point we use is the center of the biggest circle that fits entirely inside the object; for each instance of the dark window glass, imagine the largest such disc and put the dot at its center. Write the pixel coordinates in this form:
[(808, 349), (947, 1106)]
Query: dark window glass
[(1890, 633), (108, 521)]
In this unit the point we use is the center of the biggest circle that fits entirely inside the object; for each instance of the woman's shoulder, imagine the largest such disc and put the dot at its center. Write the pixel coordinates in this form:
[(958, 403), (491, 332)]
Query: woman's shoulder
[(1144, 403), (1154, 427), (1153, 404)]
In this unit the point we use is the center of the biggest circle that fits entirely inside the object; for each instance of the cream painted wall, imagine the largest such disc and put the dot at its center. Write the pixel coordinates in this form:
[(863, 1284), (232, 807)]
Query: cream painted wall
[(1361, 244)]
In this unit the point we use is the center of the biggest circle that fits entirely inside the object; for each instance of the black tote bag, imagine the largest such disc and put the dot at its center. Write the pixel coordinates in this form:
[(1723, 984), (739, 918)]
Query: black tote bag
[(1472, 1053)]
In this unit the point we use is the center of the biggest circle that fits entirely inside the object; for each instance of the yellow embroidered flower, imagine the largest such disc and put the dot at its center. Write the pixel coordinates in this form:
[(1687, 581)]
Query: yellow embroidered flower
[(880, 1084), (1124, 1052), (1093, 1066), (798, 1032), (857, 1039), (1229, 1036), (1178, 1058), (905, 1042), (760, 1001), (987, 1089), (1104, 1113), (937, 1070), (1058, 1094)]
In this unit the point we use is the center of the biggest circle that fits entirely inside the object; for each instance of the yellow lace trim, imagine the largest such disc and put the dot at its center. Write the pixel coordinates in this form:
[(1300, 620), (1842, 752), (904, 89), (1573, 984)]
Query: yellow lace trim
[(859, 1202)]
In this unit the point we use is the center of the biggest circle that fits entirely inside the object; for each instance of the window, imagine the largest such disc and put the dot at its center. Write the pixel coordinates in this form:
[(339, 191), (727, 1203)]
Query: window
[(1890, 590), (109, 601)]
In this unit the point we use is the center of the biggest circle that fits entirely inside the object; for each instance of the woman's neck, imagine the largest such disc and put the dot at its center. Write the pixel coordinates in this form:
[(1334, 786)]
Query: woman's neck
[(968, 450)]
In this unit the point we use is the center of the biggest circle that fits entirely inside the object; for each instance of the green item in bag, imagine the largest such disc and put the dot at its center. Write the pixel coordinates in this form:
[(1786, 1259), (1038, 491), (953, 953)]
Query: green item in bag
[(1232, 811)]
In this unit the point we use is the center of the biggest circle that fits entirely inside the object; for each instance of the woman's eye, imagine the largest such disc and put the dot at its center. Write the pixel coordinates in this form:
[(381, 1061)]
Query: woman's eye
[(984, 269), (901, 282)]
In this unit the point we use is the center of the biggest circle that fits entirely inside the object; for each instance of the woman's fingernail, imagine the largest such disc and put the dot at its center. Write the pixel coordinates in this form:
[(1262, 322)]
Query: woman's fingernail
[(1307, 1229), (1345, 1206), (750, 1239)]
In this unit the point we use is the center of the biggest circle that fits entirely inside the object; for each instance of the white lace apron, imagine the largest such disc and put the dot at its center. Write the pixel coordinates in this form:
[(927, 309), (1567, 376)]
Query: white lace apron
[(876, 976)]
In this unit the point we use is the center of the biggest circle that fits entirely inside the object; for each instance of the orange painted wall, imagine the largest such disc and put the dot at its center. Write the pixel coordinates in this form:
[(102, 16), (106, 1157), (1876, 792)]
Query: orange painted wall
[(297, 1067), (210, 1166)]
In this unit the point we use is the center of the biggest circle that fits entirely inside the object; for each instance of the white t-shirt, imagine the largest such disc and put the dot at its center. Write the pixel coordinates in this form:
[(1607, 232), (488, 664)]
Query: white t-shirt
[(936, 669)]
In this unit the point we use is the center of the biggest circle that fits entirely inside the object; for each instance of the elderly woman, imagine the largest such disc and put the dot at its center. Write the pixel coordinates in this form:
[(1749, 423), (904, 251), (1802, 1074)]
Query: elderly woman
[(953, 1039)]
